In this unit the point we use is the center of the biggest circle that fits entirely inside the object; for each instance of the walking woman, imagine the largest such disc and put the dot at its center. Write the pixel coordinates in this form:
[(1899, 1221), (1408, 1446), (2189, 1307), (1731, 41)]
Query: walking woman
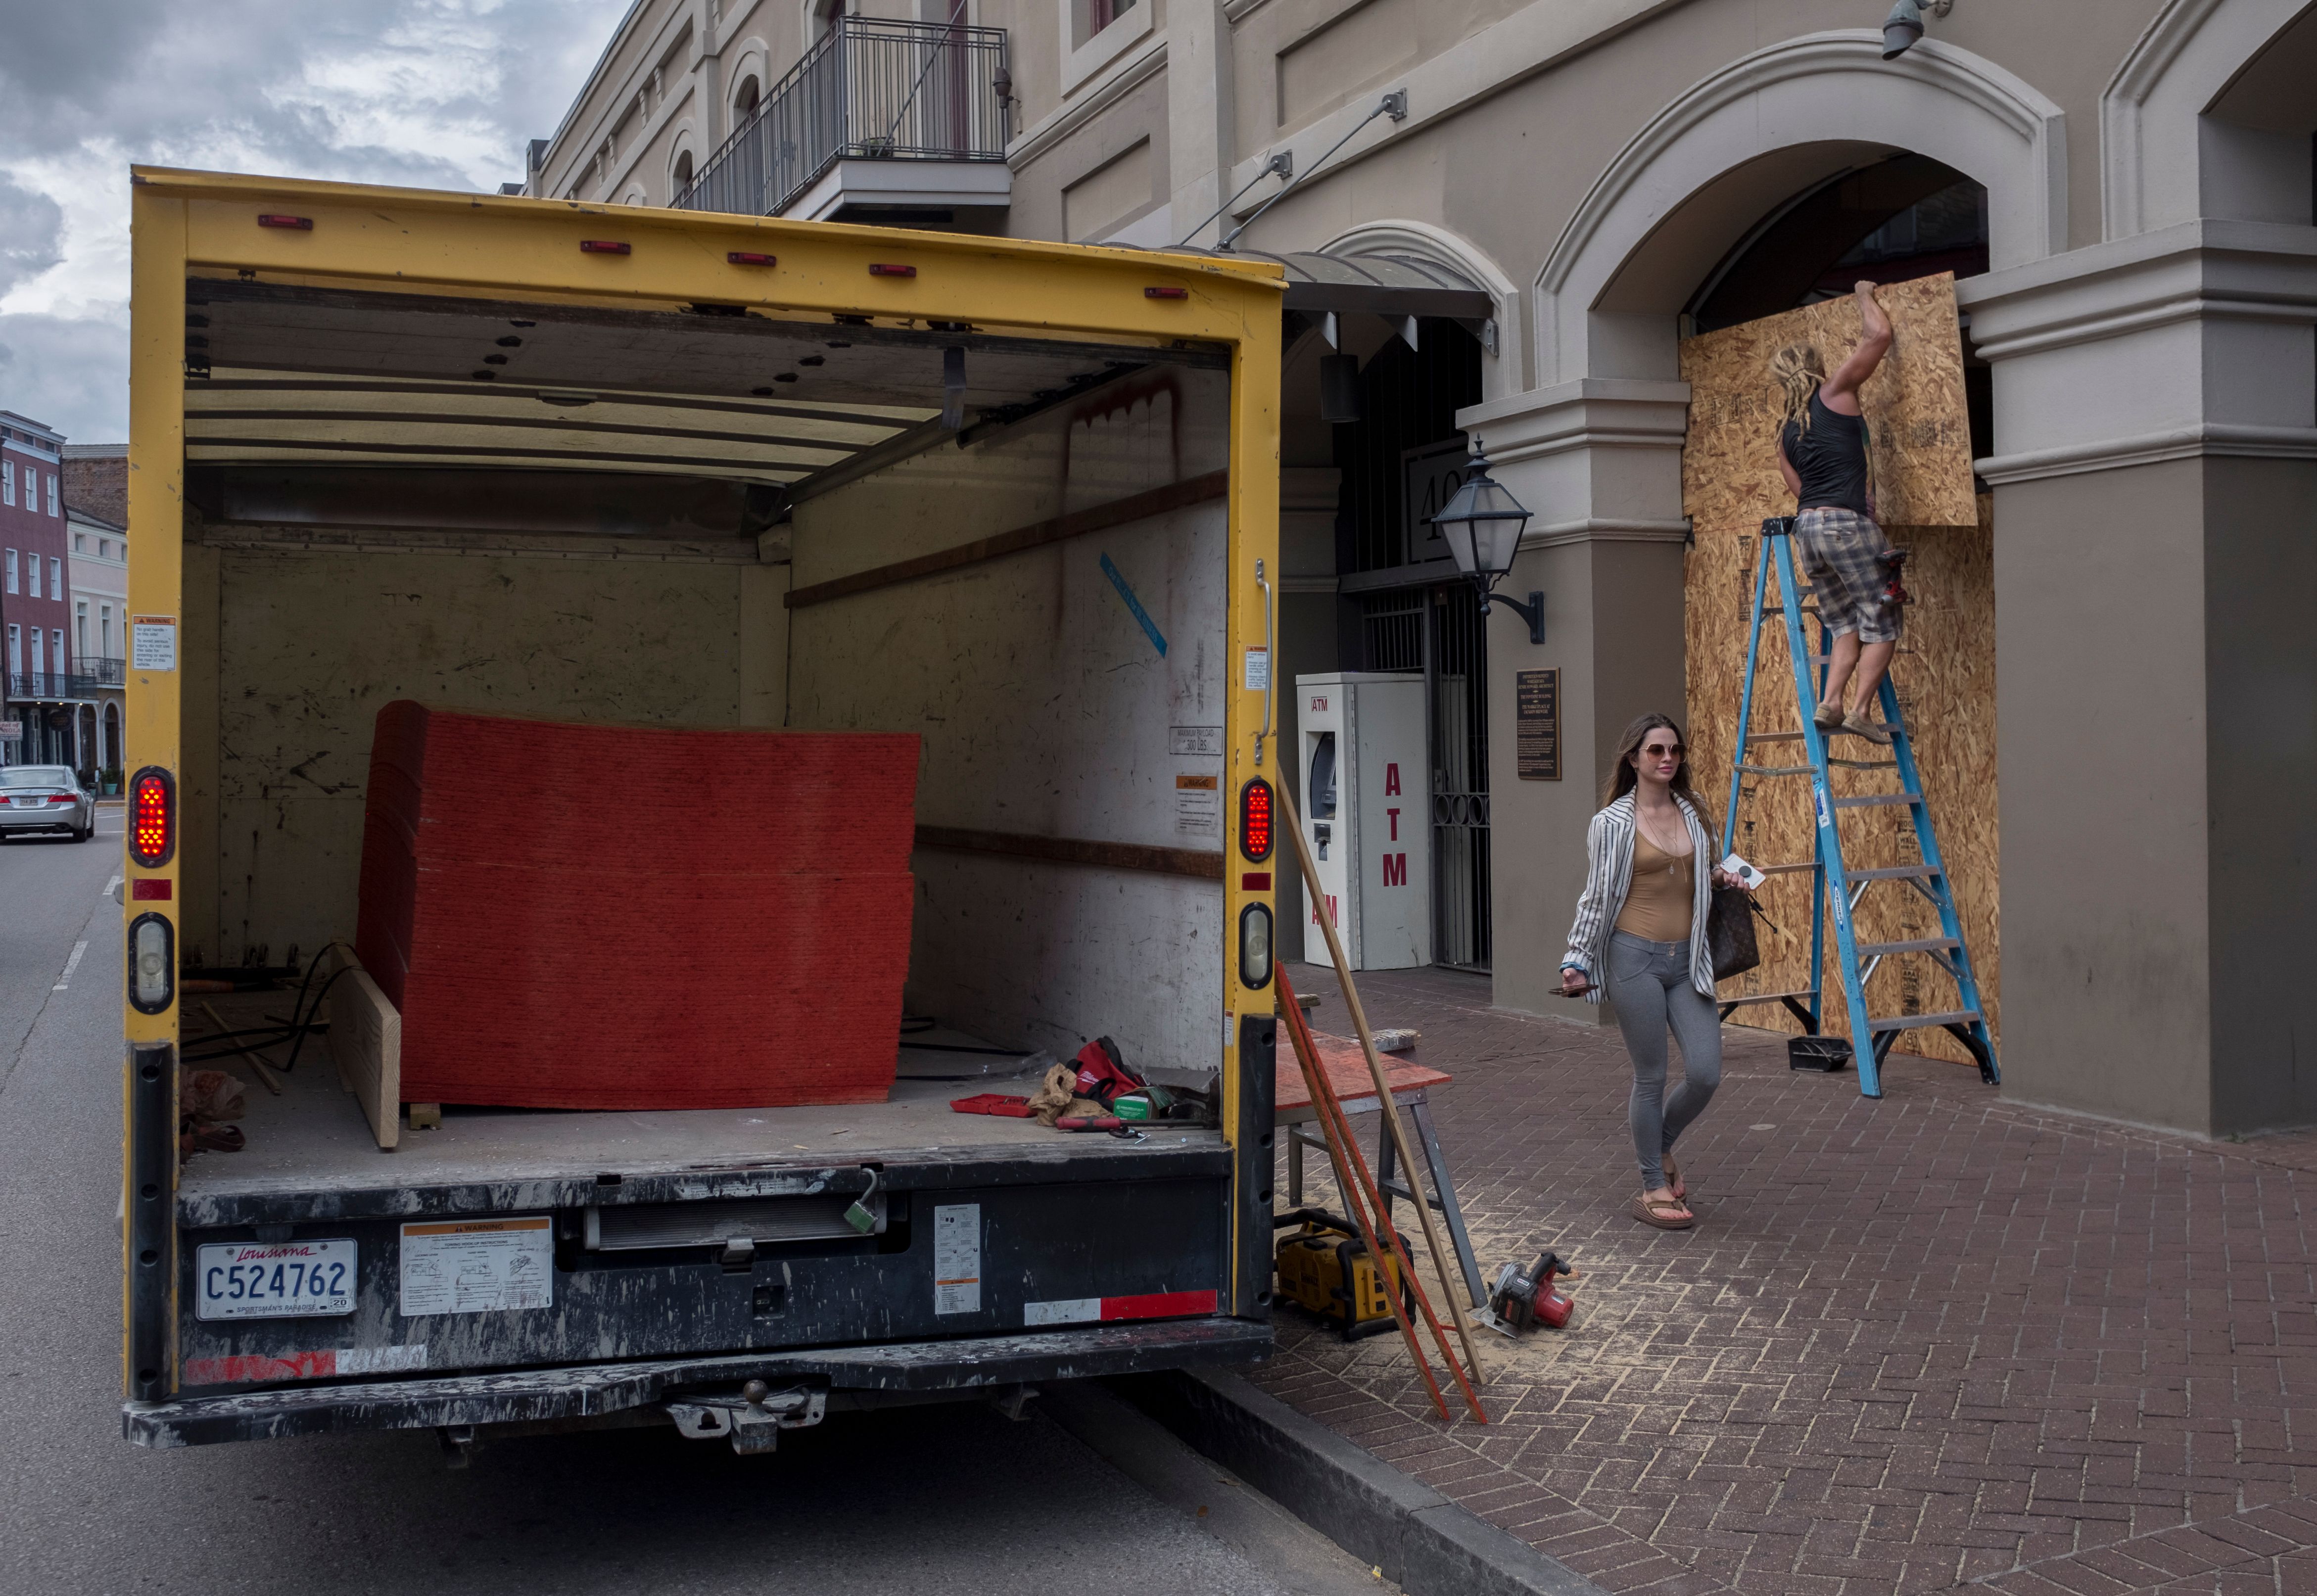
[(1641, 936)]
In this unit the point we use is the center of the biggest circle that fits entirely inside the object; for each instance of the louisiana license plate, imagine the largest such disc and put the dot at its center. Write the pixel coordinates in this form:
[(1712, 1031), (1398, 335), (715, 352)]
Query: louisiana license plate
[(275, 1280)]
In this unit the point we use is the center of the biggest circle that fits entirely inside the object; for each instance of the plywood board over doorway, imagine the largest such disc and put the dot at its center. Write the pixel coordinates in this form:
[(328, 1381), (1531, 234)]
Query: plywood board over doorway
[(1945, 673)]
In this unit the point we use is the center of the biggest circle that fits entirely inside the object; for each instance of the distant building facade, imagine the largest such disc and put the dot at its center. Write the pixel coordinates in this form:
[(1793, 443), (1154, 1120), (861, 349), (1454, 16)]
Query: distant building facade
[(97, 483), (35, 606)]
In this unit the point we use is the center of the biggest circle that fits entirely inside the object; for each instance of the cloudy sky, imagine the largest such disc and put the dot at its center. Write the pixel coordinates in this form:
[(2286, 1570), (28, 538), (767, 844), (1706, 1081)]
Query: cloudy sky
[(437, 93)]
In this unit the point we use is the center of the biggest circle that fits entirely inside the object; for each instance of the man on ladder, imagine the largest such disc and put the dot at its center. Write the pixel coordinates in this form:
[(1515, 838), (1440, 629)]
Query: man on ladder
[(1823, 455)]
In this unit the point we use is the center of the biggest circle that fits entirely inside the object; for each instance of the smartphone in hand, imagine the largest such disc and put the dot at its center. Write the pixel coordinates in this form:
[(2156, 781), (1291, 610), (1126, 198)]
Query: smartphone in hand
[(1747, 876)]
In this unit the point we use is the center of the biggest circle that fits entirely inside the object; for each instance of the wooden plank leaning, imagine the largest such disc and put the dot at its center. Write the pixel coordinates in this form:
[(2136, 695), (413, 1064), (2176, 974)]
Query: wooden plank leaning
[(1441, 1263), (1357, 1193), (1344, 1152), (365, 1039)]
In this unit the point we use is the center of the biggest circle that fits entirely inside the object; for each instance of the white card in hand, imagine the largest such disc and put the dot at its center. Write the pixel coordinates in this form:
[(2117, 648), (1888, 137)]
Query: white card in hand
[(1745, 873)]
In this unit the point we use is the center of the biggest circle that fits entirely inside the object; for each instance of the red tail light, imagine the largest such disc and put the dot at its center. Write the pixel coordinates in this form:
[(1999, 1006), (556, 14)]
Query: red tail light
[(152, 817), (602, 246), (891, 271), (302, 224), (742, 257), (1255, 812), (1166, 293), (63, 797)]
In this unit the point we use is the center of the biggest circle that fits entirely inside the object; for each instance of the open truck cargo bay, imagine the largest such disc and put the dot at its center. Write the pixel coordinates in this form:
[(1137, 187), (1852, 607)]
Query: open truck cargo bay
[(627, 466)]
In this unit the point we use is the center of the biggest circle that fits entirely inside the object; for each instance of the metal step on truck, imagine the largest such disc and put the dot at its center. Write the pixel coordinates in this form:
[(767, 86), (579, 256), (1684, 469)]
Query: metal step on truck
[(637, 467)]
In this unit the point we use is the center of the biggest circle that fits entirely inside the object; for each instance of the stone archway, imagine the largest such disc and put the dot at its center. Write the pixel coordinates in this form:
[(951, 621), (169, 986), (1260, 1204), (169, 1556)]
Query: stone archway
[(2191, 125), (1744, 140)]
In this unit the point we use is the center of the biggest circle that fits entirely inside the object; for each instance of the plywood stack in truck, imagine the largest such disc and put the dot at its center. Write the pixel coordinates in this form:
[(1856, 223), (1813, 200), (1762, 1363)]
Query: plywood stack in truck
[(1945, 673), (590, 916)]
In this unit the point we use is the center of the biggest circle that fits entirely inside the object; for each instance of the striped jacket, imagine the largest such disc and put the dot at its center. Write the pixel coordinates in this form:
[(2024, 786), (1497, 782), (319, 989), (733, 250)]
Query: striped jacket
[(1609, 875)]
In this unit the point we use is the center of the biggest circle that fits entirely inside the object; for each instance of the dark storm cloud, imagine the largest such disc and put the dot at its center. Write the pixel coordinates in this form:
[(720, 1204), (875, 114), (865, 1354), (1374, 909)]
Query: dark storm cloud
[(32, 228), (436, 93)]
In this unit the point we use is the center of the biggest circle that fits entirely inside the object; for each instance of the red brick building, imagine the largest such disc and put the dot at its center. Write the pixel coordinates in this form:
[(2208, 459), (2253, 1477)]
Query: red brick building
[(34, 597)]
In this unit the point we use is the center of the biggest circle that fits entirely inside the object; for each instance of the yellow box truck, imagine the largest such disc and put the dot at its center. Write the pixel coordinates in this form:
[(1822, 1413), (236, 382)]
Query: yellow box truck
[(640, 467)]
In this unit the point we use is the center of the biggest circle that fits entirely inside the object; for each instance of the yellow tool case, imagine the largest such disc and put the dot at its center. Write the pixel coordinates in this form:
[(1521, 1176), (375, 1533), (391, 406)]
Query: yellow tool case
[(1325, 1268)]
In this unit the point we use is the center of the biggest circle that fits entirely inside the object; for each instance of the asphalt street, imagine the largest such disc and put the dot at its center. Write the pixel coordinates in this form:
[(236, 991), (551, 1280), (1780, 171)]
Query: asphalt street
[(954, 1498)]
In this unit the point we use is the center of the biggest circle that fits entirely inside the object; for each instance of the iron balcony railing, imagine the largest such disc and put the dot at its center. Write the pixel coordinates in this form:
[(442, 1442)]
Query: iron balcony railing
[(868, 90), (98, 673), (40, 684)]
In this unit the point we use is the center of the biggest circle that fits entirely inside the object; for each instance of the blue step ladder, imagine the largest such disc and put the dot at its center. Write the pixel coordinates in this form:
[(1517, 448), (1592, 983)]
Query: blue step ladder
[(1831, 879)]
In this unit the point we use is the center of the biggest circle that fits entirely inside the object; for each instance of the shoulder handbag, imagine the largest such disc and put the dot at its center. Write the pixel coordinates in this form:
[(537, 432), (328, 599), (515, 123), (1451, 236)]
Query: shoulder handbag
[(1730, 931)]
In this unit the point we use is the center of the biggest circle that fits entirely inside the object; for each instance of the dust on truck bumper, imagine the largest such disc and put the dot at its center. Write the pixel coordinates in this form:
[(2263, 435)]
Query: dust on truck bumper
[(596, 1390)]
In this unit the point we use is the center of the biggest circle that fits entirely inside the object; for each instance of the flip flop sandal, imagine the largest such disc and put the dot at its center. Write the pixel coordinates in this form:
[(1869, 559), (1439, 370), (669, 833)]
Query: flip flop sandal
[(1674, 1180), (1660, 1213)]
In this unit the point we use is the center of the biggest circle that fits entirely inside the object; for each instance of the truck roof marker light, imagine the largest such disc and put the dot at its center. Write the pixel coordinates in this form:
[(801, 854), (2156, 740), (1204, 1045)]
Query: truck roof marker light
[(1255, 881), (742, 257), (878, 270), (1256, 808), (1163, 293), (297, 224), (604, 246), (152, 817)]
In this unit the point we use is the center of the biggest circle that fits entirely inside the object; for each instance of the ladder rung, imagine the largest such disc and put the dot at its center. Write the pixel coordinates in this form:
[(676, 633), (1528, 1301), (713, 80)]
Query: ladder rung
[(1781, 610), (1786, 869), (1892, 872), (1920, 1021), (1774, 736), (1766, 997), (1920, 945), (1863, 764), (1778, 769), (1874, 799)]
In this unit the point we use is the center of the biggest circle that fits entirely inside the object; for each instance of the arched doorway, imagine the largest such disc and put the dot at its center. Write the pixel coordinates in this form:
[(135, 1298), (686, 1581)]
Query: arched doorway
[(112, 760)]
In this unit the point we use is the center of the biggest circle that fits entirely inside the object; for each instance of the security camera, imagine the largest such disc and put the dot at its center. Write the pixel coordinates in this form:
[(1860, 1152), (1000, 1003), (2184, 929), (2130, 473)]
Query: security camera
[(1904, 25)]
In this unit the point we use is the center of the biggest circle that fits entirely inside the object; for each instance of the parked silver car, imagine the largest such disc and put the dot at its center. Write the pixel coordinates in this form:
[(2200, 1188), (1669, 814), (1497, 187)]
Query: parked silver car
[(45, 799)]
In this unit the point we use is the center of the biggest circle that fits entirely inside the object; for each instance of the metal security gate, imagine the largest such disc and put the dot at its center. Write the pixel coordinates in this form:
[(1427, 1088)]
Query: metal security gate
[(1457, 679), (1438, 631)]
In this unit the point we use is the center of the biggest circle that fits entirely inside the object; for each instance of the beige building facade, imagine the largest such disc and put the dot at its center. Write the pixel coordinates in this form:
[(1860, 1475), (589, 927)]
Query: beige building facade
[(1533, 203)]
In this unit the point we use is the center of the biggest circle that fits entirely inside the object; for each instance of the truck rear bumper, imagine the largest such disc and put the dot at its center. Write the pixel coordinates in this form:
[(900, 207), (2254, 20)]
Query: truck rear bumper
[(591, 1391)]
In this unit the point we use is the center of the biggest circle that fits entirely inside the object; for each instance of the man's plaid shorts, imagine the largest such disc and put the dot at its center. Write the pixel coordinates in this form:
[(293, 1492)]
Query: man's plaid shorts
[(1842, 555)]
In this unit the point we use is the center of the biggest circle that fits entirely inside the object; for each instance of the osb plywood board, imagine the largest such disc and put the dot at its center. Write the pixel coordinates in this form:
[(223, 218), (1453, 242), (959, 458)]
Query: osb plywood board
[(1918, 429), (1944, 673)]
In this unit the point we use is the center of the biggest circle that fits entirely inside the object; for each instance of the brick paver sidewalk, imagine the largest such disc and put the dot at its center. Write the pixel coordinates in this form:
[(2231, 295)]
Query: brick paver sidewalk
[(1929, 1341)]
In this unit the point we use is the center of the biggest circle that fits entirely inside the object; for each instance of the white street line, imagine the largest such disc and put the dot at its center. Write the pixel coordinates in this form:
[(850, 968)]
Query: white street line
[(71, 965), (109, 888)]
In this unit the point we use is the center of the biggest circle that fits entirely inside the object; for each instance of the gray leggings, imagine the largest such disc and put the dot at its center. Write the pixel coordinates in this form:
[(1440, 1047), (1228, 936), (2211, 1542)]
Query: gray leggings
[(1649, 983)]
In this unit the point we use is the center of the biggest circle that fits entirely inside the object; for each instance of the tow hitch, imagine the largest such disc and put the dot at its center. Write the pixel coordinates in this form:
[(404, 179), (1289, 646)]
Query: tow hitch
[(754, 1417)]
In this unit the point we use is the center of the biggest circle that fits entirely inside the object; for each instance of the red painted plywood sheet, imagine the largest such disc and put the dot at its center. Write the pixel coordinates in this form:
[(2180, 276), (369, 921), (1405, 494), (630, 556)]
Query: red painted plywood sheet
[(588, 916)]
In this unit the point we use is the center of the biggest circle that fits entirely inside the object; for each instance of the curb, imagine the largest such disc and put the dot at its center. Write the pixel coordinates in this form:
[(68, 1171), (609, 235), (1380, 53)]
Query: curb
[(1425, 1543)]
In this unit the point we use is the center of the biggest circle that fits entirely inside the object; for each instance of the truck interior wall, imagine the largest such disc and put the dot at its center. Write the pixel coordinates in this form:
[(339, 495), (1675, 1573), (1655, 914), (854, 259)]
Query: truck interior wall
[(311, 642), (1050, 710)]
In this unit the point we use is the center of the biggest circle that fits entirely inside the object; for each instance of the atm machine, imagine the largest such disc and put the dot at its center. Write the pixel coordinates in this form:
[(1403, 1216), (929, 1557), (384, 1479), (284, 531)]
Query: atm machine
[(1365, 803)]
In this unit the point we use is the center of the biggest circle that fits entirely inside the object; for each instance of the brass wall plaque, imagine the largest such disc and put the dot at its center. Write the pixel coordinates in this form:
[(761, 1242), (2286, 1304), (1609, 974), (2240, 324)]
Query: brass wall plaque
[(1536, 707)]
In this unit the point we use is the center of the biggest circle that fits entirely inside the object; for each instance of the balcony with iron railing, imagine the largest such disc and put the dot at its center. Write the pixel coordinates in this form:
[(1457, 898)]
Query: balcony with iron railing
[(98, 672), (929, 98)]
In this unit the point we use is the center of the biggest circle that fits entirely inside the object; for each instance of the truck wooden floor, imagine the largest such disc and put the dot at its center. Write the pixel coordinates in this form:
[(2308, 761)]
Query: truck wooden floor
[(313, 1141)]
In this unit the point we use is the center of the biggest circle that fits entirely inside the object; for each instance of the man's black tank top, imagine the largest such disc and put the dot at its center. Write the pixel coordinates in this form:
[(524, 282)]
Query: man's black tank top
[(1830, 458)]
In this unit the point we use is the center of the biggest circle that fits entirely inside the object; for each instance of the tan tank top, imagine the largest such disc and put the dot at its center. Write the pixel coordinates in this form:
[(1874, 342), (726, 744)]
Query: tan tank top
[(1663, 898)]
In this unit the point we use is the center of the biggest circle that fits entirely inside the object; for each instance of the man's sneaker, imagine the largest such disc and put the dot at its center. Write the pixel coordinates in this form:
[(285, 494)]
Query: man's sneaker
[(1858, 725), (1828, 715)]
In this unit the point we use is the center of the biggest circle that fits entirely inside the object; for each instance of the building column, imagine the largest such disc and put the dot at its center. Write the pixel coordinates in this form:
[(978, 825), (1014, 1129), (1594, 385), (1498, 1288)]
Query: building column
[(2155, 559), (1598, 462)]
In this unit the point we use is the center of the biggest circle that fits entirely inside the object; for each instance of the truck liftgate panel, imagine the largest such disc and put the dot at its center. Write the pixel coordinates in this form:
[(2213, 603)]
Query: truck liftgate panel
[(633, 468)]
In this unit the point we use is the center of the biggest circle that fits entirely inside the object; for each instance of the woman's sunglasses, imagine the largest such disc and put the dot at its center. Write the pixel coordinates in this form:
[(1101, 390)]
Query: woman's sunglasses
[(1658, 750)]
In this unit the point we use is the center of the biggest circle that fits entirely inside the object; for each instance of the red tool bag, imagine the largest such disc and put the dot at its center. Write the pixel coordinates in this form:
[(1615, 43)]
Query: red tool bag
[(1102, 1071)]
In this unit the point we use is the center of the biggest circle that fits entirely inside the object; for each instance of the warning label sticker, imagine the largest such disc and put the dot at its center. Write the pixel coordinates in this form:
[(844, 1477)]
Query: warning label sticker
[(152, 642), (1199, 806), (478, 1266), (957, 1258)]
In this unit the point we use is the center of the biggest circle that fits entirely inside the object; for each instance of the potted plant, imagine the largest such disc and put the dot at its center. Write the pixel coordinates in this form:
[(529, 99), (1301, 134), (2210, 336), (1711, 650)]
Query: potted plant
[(109, 780)]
